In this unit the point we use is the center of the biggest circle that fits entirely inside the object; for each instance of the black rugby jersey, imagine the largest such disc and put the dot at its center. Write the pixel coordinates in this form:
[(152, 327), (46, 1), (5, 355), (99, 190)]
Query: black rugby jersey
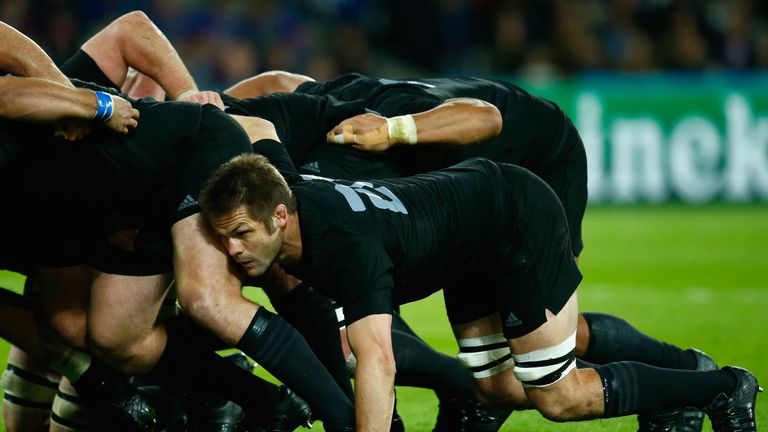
[(302, 122), (375, 244), (533, 129)]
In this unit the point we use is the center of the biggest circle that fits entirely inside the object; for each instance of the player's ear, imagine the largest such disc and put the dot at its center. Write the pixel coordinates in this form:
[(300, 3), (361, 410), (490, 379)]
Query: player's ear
[(281, 215)]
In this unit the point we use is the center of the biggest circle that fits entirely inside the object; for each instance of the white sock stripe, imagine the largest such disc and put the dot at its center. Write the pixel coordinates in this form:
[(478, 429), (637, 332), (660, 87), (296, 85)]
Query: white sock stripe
[(482, 340), (70, 411), (562, 375), (494, 370), (554, 352), (340, 314), (18, 387), (483, 358)]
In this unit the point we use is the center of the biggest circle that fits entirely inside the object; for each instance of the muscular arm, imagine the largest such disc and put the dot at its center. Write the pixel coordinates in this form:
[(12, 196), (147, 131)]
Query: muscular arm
[(371, 340), (134, 40), (21, 56), (40, 100), (460, 121), (266, 83)]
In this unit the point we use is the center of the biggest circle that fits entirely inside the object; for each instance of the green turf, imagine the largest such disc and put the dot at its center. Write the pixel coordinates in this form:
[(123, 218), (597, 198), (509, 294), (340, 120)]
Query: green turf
[(692, 276)]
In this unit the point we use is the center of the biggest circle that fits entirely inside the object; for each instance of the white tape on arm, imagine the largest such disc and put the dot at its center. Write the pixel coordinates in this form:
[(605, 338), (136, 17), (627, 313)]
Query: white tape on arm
[(402, 130)]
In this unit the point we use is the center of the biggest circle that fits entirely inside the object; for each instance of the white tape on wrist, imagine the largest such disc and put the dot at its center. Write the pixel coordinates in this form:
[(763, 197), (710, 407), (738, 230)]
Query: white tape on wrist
[(189, 92), (402, 130)]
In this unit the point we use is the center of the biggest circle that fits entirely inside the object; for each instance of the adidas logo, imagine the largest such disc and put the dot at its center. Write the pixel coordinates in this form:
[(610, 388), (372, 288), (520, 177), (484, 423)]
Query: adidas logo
[(311, 166), (187, 202), (512, 320)]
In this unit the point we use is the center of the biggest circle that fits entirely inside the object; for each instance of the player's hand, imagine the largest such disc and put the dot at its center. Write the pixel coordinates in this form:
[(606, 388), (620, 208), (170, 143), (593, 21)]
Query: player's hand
[(204, 97), (72, 130), (367, 132), (124, 116)]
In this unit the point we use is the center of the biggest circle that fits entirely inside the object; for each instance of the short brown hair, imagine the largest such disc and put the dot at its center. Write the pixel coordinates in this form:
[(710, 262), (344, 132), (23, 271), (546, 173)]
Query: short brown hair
[(247, 180)]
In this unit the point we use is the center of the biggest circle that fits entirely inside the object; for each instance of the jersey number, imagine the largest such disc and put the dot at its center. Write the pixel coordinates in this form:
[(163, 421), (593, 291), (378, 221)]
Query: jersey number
[(381, 197)]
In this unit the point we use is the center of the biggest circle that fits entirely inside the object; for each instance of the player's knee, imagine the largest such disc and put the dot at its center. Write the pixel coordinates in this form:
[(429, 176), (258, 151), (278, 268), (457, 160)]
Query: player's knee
[(558, 403), (202, 305), (544, 373), (116, 345), (500, 392)]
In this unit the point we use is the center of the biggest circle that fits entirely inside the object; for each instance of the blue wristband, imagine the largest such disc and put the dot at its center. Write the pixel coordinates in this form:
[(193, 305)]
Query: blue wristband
[(104, 106)]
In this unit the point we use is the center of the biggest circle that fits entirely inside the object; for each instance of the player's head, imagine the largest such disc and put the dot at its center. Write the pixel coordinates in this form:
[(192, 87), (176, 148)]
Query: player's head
[(247, 201)]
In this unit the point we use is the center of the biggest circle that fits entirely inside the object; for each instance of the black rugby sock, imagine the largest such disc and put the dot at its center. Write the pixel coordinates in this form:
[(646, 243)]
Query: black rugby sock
[(281, 350), (313, 314), (418, 365), (612, 339), (631, 387), (188, 354)]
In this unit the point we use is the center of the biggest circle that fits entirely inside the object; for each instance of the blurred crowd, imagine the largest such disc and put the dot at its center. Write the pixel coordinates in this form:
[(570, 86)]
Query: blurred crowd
[(226, 40)]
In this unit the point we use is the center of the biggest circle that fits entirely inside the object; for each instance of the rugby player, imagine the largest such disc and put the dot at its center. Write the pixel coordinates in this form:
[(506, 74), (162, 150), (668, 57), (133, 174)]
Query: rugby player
[(122, 173), (535, 134), (39, 93), (495, 239)]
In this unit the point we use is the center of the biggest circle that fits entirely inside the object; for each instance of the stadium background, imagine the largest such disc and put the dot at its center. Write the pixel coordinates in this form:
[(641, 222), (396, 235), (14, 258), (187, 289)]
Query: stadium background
[(670, 96)]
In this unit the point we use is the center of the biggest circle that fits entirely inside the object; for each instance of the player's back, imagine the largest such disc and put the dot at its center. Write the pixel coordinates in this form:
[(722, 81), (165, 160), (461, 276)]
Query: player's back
[(432, 226)]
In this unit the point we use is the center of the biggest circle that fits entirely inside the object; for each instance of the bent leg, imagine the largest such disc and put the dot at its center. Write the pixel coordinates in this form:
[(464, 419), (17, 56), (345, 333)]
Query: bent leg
[(121, 326)]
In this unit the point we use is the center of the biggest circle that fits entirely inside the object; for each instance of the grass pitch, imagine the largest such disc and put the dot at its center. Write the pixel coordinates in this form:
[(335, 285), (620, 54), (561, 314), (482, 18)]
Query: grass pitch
[(691, 276)]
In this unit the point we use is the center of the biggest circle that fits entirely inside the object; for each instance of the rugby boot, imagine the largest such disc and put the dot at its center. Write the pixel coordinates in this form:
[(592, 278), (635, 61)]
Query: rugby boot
[(735, 413), (469, 415), (135, 414), (290, 413), (240, 360), (686, 420), (222, 418), (210, 413), (169, 410)]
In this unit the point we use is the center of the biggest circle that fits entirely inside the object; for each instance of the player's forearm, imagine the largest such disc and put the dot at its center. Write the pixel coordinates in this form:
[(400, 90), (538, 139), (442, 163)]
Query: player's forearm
[(458, 122), (374, 396), (267, 83), (21, 56), (40, 100), (133, 40)]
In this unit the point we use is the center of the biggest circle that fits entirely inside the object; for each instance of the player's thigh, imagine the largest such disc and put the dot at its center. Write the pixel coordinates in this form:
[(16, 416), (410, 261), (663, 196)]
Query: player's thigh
[(64, 294), (124, 308)]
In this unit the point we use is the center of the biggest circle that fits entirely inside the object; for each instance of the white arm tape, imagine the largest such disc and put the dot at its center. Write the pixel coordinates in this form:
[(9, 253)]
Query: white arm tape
[(402, 130)]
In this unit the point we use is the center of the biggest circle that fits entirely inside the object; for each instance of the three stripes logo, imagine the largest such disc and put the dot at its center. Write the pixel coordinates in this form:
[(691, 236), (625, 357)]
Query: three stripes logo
[(187, 202)]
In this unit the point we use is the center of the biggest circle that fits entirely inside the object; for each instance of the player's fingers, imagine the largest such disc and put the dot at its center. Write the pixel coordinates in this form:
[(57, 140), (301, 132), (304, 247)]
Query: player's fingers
[(132, 124), (135, 113), (341, 134), (348, 133)]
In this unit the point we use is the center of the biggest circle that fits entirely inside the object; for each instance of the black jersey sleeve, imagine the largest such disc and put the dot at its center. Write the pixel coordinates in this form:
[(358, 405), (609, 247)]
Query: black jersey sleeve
[(278, 156), (83, 67), (402, 100), (357, 272)]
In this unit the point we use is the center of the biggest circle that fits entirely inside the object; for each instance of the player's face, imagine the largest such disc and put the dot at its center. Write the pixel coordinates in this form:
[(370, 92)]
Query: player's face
[(248, 241)]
